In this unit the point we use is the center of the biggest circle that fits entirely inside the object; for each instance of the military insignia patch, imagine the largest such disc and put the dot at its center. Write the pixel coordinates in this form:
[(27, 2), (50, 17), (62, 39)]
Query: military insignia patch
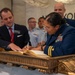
[(59, 38)]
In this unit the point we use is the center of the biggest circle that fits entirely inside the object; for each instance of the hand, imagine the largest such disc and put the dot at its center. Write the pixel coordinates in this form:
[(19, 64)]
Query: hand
[(14, 47), (37, 48), (41, 43), (27, 48)]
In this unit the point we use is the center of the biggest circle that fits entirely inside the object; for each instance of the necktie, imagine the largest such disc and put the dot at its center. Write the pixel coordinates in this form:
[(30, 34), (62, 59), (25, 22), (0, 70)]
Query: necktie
[(11, 35)]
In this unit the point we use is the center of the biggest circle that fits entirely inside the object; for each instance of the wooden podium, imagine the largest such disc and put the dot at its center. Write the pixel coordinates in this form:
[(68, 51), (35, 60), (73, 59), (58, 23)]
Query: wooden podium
[(48, 65)]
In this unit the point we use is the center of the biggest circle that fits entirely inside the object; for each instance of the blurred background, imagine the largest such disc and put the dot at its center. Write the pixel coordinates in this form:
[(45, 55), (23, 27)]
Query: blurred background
[(23, 9)]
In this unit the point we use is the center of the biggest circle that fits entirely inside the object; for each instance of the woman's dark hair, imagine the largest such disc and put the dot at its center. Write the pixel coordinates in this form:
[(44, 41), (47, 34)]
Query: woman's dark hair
[(55, 19)]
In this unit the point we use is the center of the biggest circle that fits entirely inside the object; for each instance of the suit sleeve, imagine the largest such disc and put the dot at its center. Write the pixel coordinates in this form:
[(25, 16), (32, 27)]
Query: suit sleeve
[(4, 44), (26, 36)]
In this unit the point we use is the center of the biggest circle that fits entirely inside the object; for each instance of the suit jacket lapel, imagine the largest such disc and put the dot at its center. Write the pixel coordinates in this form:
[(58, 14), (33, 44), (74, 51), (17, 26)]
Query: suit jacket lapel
[(6, 33), (16, 31), (15, 34)]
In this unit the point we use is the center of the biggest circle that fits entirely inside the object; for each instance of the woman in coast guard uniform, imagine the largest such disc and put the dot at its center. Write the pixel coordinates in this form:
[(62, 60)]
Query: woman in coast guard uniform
[(61, 38)]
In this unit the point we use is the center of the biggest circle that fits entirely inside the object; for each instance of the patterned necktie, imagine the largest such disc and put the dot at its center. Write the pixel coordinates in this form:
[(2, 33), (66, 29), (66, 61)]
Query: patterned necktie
[(11, 35)]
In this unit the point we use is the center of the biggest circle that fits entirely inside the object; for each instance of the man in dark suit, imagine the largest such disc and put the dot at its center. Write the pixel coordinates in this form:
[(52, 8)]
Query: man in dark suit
[(15, 35), (60, 8)]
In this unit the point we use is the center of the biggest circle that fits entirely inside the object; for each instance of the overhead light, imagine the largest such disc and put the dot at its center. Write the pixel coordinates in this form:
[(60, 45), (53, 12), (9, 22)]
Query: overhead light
[(66, 1)]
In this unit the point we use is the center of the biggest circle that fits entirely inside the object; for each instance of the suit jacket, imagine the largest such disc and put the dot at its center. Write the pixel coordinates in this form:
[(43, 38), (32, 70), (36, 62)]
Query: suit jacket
[(21, 36), (62, 43)]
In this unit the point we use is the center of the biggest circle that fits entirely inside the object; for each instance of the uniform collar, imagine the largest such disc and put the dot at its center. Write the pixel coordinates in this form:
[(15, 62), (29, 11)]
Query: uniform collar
[(32, 30), (40, 28), (61, 29)]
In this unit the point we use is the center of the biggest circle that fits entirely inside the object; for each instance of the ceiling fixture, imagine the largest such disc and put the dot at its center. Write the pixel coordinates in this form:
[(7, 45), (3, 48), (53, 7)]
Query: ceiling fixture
[(38, 3), (66, 1)]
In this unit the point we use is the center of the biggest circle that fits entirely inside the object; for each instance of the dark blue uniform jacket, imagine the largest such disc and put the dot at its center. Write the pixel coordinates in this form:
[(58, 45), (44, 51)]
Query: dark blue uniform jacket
[(70, 22), (63, 41)]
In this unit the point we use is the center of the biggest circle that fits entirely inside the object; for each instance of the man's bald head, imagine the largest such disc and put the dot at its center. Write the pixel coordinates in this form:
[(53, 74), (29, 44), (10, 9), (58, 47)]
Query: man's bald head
[(60, 8)]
